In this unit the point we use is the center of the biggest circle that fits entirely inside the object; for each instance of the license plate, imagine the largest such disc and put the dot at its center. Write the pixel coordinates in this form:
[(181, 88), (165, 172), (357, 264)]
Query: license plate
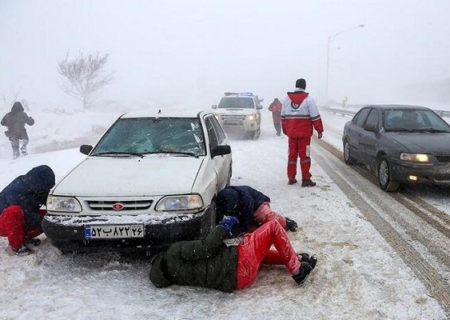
[(122, 231)]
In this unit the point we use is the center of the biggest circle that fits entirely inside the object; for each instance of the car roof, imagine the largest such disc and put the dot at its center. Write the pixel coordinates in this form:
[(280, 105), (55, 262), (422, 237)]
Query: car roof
[(165, 113), (397, 106)]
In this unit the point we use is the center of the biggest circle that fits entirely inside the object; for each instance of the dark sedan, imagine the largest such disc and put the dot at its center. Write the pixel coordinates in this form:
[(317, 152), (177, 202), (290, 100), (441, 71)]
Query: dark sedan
[(402, 144)]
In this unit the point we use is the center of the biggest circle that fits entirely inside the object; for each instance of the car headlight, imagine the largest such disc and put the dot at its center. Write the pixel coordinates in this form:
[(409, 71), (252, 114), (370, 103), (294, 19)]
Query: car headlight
[(251, 117), (64, 204), (415, 157), (180, 203)]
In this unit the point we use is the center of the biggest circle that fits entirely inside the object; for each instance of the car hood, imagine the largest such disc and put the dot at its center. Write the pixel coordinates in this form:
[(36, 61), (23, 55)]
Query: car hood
[(236, 111), (151, 175), (423, 142)]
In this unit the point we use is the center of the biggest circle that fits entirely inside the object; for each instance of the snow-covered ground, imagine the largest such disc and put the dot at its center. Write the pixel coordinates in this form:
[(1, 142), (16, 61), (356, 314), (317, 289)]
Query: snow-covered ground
[(358, 275)]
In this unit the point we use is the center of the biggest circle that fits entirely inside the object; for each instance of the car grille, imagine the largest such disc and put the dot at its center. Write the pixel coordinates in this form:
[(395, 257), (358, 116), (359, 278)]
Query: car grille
[(127, 205), (443, 159), (233, 118)]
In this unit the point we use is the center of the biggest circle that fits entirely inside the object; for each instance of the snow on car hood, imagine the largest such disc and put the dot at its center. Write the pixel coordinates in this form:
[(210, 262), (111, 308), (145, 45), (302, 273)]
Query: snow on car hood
[(423, 142), (151, 175)]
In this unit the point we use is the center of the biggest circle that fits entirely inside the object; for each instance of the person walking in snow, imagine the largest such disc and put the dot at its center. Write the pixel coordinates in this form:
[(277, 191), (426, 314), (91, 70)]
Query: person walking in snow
[(210, 263), (299, 116), (20, 208), (251, 207), (15, 121), (275, 108)]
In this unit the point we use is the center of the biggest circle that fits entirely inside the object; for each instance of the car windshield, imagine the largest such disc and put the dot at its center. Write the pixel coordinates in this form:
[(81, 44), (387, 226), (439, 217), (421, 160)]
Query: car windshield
[(236, 103), (414, 120), (139, 136)]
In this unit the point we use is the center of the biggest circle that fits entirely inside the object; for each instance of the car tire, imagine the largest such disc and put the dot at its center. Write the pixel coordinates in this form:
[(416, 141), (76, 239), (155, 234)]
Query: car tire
[(348, 158), (384, 176)]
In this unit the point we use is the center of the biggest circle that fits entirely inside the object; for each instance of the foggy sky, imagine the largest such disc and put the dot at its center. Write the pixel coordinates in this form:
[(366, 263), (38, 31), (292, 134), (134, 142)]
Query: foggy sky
[(178, 51)]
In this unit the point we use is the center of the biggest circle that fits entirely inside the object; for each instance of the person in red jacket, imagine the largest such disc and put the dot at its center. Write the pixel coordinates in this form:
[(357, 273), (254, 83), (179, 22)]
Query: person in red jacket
[(299, 116), (275, 108)]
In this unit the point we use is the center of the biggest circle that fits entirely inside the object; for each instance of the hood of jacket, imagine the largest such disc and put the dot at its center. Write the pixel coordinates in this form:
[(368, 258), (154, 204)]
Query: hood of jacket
[(41, 178), (17, 107), (297, 97), (159, 275)]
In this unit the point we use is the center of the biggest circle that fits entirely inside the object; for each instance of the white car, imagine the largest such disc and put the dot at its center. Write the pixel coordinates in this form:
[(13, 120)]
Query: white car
[(240, 111), (151, 180)]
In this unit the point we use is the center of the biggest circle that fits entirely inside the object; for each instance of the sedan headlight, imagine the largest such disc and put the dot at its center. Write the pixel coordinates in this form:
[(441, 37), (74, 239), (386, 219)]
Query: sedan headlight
[(180, 203), (415, 157), (63, 204)]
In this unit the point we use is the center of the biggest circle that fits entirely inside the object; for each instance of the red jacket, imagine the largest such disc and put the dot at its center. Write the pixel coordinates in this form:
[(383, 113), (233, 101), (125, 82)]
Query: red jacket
[(299, 115), (275, 107)]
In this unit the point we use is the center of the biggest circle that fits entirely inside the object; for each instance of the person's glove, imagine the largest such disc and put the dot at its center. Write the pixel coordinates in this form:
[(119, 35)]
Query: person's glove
[(291, 225), (319, 135), (228, 222)]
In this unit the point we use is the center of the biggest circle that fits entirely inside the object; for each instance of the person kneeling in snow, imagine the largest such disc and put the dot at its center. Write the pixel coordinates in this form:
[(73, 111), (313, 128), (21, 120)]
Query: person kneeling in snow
[(251, 207), (20, 203), (212, 264)]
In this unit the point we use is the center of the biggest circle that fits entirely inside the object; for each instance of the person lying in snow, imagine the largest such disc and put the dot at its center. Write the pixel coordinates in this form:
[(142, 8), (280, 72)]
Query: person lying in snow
[(251, 207), (210, 263), (20, 203)]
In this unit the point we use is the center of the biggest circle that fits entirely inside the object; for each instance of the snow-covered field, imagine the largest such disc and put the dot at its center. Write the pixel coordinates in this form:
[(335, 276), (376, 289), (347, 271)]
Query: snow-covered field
[(358, 275)]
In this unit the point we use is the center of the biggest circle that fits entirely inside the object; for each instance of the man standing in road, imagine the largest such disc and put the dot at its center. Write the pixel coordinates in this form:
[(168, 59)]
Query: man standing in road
[(299, 116)]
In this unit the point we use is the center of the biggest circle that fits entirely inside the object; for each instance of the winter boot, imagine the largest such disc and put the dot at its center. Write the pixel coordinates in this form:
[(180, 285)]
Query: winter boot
[(308, 183), (23, 251), (34, 242), (292, 181), (305, 268)]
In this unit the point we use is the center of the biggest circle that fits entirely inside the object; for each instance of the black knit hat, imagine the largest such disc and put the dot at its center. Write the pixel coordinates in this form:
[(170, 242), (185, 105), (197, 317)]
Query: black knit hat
[(300, 83)]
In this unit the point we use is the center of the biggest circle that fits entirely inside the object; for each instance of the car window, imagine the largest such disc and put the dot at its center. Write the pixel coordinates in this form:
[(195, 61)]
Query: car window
[(213, 139), (414, 120), (372, 119), (360, 117), (241, 103), (153, 135), (220, 134)]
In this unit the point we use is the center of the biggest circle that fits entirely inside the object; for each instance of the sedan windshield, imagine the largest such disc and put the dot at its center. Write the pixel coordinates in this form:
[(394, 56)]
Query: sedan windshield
[(139, 136), (414, 120)]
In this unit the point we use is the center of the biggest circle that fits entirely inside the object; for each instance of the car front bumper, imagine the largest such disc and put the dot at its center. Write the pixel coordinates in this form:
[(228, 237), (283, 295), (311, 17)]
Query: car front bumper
[(157, 236), (425, 173)]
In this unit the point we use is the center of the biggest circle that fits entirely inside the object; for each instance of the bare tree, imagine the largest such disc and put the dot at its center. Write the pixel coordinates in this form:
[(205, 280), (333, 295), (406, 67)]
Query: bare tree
[(84, 76)]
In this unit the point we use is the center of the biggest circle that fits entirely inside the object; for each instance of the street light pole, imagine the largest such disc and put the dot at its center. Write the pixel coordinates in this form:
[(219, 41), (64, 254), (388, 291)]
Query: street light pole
[(328, 56)]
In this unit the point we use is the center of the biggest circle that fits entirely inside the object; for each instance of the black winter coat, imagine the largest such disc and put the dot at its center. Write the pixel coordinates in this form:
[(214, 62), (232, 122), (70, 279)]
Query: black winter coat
[(30, 192), (15, 121), (241, 202), (205, 263)]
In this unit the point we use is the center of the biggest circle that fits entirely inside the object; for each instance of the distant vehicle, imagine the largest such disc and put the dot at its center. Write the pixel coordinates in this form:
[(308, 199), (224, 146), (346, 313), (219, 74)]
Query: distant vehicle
[(402, 144), (151, 180), (240, 111)]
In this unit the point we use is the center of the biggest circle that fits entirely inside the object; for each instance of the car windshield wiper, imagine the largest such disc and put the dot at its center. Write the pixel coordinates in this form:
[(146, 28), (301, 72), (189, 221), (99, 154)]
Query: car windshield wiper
[(399, 130), (432, 130), (119, 153), (180, 153)]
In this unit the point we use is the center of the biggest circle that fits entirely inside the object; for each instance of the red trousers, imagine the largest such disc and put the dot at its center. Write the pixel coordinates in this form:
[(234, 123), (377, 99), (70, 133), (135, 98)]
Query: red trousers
[(299, 148), (12, 225), (255, 250)]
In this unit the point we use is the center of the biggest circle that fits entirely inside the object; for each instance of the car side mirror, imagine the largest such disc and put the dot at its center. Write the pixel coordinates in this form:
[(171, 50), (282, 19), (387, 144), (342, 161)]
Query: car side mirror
[(370, 127), (214, 106), (86, 149), (220, 151)]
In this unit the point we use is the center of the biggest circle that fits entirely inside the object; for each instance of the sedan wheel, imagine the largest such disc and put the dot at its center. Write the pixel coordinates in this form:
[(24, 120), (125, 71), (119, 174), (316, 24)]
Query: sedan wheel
[(384, 176), (347, 156)]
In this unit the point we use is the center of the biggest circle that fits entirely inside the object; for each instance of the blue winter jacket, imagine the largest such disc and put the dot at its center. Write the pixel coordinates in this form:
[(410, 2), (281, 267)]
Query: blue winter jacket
[(241, 202), (30, 192)]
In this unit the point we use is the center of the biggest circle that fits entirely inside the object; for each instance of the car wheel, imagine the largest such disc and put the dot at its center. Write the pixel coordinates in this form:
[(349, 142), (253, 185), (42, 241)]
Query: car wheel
[(256, 134), (348, 158), (384, 176)]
